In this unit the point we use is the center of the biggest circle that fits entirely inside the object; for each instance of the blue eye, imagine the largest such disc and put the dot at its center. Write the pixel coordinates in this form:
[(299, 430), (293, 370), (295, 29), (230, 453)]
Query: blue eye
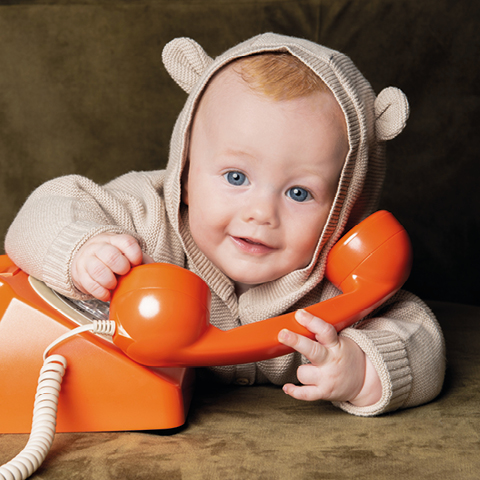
[(299, 194), (236, 178)]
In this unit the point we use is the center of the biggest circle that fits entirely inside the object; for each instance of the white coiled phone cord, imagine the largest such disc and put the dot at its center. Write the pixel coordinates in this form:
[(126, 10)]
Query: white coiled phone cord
[(45, 407)]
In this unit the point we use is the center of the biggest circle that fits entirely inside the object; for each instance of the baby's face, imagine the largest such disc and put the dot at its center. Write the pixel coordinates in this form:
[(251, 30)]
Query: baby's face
[(262, 178)]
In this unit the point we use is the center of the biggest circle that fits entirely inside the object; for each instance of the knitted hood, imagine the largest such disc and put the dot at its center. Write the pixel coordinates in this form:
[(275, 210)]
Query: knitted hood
[(370, 119)]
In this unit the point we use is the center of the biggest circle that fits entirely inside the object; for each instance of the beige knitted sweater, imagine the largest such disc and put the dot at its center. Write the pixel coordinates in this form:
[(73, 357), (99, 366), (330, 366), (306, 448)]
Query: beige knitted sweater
[(402, 338)]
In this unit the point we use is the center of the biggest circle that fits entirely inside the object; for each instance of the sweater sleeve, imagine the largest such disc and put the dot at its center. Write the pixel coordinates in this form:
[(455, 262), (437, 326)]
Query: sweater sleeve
[(404, 342), (62, 214)]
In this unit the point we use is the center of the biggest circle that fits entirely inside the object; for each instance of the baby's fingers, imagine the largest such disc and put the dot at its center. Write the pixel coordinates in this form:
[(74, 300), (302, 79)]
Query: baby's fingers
[(94, 279), (305, 392), (311, 349), (147, 259), (325, 333), (126, 252)]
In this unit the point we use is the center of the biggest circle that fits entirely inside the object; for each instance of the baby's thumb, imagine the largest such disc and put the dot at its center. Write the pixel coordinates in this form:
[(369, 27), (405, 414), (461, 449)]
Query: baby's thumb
[(147, 258)]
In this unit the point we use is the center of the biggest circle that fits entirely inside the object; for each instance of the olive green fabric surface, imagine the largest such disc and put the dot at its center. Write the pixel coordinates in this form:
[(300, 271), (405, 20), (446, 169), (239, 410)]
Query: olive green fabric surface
[(259, 432), (83, 90)]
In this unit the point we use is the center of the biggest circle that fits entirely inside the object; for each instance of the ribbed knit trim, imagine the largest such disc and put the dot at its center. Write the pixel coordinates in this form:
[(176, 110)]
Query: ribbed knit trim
[(389, 357)]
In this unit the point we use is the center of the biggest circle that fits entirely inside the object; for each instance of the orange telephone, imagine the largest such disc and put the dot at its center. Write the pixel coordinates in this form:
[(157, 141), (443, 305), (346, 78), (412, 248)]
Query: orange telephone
[(160, 318), (162, 315)]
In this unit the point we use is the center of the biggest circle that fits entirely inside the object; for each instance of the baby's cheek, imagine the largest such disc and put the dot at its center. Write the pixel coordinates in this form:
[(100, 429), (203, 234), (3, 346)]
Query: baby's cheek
[(206, 221), (307, 240)]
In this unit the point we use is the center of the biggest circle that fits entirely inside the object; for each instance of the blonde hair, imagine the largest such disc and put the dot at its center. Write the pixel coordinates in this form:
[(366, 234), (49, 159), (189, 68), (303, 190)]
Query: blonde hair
[(278, 75)]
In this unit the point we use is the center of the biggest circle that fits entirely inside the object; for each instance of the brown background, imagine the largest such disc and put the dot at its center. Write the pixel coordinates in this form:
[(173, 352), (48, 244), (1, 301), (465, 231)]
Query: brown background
[(83, 90)]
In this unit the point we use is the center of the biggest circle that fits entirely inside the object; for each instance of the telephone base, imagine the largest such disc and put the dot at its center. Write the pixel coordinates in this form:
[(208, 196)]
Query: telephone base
[(102, 390)]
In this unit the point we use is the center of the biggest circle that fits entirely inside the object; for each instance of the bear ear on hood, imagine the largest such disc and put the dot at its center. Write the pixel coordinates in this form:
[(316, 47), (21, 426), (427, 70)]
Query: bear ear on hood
[(185, 61), (391, 113)]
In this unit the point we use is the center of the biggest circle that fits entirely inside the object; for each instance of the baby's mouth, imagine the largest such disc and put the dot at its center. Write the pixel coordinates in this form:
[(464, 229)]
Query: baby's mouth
[(251, 241), (252, 246)]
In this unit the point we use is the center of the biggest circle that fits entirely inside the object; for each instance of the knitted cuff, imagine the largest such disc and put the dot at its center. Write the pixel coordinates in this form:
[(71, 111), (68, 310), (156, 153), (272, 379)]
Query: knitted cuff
[(389, 357)]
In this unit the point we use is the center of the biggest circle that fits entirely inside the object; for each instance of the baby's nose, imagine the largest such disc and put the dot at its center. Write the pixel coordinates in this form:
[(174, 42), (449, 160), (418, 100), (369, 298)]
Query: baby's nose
[(263, 210)]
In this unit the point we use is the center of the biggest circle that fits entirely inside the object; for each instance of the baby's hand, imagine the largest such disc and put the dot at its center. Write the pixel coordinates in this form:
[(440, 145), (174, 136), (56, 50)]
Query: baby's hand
[(96, 264), (338, 371)]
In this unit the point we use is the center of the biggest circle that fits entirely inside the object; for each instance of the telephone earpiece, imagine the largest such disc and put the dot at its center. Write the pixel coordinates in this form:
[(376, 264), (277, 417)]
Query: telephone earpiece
[(162, 311)]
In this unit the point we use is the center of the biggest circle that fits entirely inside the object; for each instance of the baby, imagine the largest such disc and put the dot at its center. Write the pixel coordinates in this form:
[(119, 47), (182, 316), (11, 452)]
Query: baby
[(279, 149)]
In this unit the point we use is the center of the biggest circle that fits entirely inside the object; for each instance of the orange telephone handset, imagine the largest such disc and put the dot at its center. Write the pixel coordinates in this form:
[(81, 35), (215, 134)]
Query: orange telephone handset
[(162, 311)]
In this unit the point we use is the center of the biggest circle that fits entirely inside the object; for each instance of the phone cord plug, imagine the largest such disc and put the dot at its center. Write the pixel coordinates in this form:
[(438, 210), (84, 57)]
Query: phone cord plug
[(45, 407)]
